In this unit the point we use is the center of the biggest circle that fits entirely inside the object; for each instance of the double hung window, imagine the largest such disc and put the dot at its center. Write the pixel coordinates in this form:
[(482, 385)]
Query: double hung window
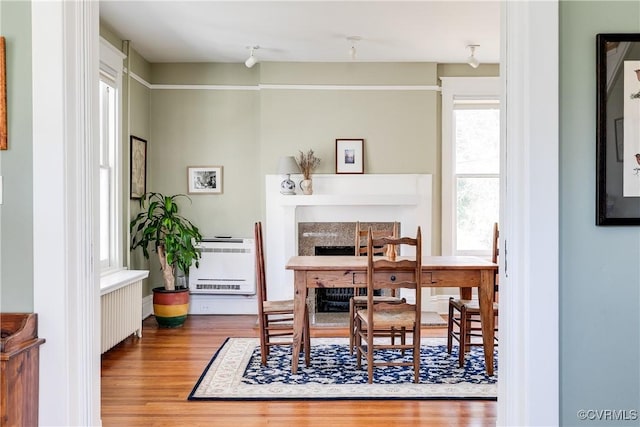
[(471, 168)]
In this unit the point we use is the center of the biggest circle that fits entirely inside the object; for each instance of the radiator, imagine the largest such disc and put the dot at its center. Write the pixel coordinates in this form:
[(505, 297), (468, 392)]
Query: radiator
[(121, 314), (227, 266)]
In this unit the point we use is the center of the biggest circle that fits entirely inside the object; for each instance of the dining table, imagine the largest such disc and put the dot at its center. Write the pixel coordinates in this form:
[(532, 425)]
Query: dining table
[(339, 271)]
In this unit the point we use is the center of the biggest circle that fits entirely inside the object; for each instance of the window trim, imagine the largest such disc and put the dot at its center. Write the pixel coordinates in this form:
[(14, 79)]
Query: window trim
[(470, 90), (111, 71)]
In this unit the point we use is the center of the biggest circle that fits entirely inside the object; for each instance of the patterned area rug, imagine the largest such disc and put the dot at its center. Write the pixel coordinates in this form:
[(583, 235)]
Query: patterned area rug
[(235, 373)]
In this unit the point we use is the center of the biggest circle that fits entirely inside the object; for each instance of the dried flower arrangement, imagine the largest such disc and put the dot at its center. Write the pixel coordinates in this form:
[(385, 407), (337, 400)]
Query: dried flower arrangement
[(308, 163)]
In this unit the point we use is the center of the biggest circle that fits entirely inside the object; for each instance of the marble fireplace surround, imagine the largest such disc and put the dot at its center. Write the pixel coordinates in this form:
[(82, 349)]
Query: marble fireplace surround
[(406, 198)]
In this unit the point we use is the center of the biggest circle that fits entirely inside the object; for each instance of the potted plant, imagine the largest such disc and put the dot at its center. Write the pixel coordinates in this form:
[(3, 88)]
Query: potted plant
[(174, 239), (308, 162)]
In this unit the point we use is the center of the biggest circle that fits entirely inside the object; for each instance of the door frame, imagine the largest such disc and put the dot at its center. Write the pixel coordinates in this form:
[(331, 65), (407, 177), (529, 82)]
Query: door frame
[(63, 32)]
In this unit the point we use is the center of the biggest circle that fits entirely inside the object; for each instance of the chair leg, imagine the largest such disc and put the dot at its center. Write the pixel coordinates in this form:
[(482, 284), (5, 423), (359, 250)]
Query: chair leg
[(358, 343), (370, 354), (307, 338), (450, 329), (351, 325), (416, 354), (462, 336), (264, 339)]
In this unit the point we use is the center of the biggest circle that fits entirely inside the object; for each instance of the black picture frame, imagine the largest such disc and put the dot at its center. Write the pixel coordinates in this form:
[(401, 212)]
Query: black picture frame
[(617, 167), (138, 169)]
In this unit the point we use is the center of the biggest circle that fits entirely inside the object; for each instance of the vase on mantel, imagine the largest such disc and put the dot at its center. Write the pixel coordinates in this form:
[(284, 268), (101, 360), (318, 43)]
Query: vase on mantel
[(306, 185)]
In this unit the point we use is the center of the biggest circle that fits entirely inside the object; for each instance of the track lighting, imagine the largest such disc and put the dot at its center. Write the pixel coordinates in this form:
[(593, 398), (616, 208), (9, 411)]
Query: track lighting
[(251, 61), (472, 60), (352, 50)]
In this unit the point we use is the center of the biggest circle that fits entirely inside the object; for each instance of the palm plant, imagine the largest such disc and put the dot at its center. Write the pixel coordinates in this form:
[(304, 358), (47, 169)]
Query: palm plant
[(174, 237)]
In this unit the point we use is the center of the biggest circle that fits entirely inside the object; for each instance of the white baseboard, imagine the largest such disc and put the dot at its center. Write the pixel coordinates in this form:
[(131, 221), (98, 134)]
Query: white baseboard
[(223, 304), (147, 306)]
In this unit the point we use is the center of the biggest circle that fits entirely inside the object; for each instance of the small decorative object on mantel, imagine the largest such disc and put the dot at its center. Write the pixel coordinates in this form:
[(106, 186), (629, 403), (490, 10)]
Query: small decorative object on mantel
[(286, 166), (308, 163)]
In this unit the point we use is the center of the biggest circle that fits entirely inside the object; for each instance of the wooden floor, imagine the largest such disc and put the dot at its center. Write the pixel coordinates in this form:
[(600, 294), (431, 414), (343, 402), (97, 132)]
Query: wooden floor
[(145, 382)]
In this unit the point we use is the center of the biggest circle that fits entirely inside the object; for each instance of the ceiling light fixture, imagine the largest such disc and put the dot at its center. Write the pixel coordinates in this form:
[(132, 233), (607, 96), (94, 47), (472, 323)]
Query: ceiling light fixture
[(251, 61), (472, 60), (352, 50)]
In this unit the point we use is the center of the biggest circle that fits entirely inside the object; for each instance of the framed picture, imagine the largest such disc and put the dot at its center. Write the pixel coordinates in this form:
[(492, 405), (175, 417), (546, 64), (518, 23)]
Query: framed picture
[(138, 176), (204, 179), (3, 96), (349, 155), (618, 129)]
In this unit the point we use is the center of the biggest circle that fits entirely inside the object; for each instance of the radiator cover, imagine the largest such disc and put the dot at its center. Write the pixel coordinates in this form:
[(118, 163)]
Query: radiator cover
[(227, 267)]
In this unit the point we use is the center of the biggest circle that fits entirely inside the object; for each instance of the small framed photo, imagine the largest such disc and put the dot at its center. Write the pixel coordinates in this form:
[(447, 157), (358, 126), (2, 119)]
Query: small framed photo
[(138, 173), (349, 155), (204, 179)]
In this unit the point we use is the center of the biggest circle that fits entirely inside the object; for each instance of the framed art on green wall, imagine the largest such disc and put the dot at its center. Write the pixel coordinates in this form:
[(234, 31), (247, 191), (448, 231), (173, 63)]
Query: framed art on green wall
[(349, 155), (138, 173), (618, 129), (3, 96), (204, 179)]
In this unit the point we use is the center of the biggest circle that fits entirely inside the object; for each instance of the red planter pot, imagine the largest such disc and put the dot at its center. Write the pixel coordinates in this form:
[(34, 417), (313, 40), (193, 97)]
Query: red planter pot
[(170, 307)]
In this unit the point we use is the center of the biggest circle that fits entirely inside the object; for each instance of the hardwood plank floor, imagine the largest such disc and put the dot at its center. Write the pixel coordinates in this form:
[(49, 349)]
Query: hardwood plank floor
[(145, 382)]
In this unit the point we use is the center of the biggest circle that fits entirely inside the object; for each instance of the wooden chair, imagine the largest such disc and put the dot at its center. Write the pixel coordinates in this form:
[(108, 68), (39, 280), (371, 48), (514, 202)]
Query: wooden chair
[(377, 319), (359, 299), (275, 318), (465, 315)]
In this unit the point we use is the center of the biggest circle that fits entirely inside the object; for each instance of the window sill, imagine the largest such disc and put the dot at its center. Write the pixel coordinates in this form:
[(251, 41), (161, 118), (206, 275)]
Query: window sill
[(111, 282)]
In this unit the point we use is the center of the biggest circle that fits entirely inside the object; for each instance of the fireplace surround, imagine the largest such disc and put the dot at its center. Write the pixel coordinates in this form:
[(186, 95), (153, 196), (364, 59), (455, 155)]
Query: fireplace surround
[(370, 198), (331, 238)]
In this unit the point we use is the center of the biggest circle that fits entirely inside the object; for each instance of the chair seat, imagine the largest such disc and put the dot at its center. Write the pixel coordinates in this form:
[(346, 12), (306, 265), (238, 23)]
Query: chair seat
[(277, 306), (389, 319)]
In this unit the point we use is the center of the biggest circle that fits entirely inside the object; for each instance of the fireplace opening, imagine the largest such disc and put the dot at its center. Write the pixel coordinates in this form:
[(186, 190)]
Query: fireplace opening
[(333, 300)]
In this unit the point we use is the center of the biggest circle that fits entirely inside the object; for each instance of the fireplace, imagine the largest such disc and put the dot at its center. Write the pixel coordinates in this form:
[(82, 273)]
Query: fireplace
[(337, 202), (332, 238)]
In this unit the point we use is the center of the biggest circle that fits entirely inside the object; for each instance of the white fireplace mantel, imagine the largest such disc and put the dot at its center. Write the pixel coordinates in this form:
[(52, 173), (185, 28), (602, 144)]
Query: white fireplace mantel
[(340, 198)]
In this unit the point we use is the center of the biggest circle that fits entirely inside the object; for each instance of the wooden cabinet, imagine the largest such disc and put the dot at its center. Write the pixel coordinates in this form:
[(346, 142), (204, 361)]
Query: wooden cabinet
[(19, 369)]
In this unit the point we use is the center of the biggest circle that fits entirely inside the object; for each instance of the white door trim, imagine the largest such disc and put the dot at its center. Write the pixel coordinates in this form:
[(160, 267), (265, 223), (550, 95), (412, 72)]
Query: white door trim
[(66, 287), (528, 385)]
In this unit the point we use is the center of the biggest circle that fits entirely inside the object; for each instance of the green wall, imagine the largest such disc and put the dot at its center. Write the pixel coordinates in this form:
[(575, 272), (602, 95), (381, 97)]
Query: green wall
[(251, 117), (16, 211), (599, 266)]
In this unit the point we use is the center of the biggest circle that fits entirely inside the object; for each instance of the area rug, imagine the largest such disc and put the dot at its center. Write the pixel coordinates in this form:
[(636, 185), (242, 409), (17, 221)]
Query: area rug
[(235, 373)]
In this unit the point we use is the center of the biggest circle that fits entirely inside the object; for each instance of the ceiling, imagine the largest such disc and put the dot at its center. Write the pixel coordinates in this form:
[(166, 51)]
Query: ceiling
[(307, 31)]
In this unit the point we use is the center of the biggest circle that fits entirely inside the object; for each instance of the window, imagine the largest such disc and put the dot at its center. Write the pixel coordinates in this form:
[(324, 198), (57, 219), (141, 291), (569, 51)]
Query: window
[(476, 177), (470, 165), (109, 154)]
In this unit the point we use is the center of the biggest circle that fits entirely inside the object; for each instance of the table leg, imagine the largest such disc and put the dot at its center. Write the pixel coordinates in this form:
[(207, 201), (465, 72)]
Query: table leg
[(299, 303), (485, 292)]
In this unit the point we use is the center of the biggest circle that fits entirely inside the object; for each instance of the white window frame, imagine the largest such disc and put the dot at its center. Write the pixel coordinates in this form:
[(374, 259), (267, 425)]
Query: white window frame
[(111, 70), (456, 89)]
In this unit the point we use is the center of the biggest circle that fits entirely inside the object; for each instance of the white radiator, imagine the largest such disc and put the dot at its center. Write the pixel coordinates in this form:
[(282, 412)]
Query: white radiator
[(227, 266), (121, 314)]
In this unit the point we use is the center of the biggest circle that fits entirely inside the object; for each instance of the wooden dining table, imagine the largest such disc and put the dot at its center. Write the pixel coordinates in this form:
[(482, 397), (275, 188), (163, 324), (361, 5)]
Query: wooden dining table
[(464, 272)]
